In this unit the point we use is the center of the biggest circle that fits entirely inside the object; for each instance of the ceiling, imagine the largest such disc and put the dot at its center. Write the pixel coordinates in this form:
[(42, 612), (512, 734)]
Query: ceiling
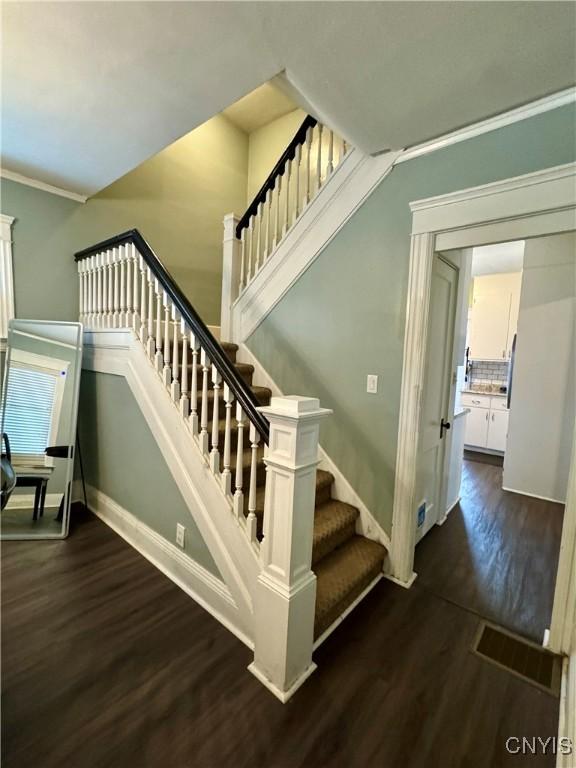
[(92, 89), (260, 107), (502, 257)]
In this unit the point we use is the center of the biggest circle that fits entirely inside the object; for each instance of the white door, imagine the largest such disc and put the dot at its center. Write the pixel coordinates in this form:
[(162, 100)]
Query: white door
[(498, 430), (477, 427), (489, 326), (436, 394)]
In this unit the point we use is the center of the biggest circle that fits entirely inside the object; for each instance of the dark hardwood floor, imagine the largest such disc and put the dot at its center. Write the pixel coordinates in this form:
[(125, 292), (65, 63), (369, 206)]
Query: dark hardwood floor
[(107, 664), (497, 553)]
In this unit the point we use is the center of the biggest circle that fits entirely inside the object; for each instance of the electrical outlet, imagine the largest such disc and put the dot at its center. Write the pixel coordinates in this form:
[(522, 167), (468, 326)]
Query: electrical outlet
[(372, 383), (180, 533)]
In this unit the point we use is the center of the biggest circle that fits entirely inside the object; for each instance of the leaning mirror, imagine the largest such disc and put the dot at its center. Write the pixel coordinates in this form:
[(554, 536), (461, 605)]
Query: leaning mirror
[(38, 427)]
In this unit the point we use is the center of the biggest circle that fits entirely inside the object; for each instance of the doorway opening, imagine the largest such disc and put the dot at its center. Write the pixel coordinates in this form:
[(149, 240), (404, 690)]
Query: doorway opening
[(496, 428)]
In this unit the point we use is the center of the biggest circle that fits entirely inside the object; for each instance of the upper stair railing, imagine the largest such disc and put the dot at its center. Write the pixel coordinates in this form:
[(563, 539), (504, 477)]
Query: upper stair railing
[(302, 170)]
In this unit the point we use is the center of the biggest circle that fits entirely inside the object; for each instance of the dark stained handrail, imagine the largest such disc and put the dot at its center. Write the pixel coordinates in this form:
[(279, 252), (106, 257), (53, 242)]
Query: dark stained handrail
[(278, 170), (216, 354)]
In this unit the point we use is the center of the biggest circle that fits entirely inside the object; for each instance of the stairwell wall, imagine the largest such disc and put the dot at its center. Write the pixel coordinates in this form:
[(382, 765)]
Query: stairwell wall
[(345, 316)]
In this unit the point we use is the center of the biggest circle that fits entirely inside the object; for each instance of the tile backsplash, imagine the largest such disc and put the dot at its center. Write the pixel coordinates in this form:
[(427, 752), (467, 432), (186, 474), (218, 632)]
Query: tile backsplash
[(485, 373)]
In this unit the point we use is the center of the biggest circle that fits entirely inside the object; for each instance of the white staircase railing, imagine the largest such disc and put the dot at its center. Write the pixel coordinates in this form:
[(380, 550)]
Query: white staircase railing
[(300, 173), (124, 285)]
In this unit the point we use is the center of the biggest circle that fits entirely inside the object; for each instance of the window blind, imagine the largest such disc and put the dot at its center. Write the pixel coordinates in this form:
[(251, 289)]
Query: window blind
[(29, 406)]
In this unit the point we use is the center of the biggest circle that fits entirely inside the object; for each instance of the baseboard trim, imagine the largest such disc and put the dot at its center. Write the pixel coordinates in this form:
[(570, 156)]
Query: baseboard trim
[(399, 582), (198, 583), (450, 508), (533, 495)]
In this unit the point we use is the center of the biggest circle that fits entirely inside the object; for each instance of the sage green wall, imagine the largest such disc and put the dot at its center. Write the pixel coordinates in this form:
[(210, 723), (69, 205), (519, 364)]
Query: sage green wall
[(265, 146), (122, 459), (344, 318)]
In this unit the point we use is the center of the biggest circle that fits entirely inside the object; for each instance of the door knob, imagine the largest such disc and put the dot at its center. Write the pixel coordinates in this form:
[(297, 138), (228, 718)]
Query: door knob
[(444, 426)]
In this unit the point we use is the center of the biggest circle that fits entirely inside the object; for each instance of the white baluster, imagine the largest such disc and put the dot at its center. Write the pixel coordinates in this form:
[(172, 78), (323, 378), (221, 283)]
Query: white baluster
[(268, 241), (297, 159), (166, 371), (81, 308), (94, 291), (251, 521), (151, 342), (110, 270), (184, 399), (195, 347), (319, 158), (105, 276), (307, 169), (116, 317), (277, 222), (175, 386), (203, 439), (122, 257), (259, 238), (239, 493), (243, 278), (99, 278), (158, 360), (135, 258), (330, 154), (143, 296), (226, 474), (250, 248), (215, 453), (129, 281), (287, 172)]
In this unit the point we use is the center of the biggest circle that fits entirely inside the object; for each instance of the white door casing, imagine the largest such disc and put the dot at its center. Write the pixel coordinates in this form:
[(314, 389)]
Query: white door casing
[(540, 203)]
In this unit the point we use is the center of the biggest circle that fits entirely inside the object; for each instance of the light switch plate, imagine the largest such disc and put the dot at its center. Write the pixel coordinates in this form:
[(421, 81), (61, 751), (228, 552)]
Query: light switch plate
[(180, 534), (372, 383)]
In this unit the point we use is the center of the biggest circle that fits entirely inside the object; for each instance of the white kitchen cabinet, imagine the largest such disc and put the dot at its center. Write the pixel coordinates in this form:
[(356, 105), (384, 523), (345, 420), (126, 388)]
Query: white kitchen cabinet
[(476, 432), (494, 315), (497, 430)]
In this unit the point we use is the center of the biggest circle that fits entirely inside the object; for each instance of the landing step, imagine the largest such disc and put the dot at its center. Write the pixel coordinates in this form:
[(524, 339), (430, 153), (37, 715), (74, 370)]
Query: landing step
[(342, 576)]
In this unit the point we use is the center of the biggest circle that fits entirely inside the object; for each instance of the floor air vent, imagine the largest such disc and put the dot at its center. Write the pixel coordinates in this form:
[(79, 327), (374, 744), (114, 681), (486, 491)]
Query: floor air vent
[(522, 658)]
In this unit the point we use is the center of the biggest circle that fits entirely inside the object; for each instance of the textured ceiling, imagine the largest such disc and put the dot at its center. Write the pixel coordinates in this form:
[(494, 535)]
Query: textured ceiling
[(92, 89)]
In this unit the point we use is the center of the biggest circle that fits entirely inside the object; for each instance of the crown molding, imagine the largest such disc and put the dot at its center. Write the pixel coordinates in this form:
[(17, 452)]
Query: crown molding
[(546, 104), (37, 184)]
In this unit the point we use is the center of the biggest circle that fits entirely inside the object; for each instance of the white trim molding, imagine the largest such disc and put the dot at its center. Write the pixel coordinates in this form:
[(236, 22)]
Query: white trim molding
[(524, 206), (201, 585), (42, 185), (546, 104), (6, 277), (344, 192)]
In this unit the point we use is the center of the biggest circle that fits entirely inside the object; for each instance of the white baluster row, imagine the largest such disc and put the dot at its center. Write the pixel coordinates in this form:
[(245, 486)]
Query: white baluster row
[(119, 290), (300, 181)]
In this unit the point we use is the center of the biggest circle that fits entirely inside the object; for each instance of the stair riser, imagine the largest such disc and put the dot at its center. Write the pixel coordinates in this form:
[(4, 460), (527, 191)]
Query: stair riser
[(336, 540)]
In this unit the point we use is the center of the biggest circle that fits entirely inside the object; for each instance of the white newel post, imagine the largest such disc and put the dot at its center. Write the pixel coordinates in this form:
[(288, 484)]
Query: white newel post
[(230, 275), (286, 589)]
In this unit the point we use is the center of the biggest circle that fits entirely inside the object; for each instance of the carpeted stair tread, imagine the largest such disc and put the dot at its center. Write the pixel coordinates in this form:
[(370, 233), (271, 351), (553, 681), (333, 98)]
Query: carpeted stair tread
[(334, 524), (342, 575)]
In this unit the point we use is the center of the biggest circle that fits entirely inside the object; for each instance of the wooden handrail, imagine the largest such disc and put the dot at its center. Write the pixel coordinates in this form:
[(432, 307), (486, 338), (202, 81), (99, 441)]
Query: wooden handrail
[(278, 170), (226, 369)]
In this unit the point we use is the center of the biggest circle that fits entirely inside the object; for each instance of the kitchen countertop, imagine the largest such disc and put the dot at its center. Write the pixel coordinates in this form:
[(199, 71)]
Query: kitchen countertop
[(482, 392)]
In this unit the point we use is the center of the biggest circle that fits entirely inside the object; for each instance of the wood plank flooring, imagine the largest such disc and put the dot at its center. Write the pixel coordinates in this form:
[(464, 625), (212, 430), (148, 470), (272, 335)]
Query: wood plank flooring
[(107, 664), (497, 554)]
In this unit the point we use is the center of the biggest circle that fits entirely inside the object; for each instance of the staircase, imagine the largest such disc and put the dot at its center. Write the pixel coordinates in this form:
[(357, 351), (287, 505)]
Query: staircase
[(291, 557), (345, 563)]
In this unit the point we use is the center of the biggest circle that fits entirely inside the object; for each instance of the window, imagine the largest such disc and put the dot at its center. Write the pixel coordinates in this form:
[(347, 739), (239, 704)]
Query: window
[(6, 277), (32, 407)]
